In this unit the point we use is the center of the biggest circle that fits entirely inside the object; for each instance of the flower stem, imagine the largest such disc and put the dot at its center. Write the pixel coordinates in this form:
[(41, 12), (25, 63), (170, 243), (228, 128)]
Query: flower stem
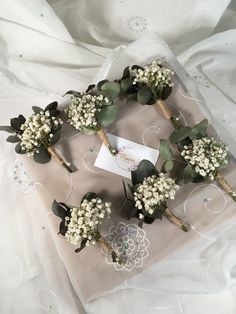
[(167, 113), (54, 154), (225, 185), (107, 247), (102, 134), (177, 221)]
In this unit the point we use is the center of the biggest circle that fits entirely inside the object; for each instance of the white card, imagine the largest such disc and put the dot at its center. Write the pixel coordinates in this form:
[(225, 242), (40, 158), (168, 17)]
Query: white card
[(128, 157)]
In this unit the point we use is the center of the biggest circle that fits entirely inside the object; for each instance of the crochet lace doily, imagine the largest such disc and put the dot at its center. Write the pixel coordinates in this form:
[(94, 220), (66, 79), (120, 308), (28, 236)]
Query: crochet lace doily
[(130, 243)]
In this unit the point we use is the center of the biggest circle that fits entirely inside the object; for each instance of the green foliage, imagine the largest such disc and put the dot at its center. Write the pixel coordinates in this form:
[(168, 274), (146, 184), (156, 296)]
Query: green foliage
[(56, 137), (126, 73), (145, 169), (111, 89), (36, 109), (180, 134), (107, 115), (82, 245), (7, 128), (165, 150), (19, 150), (165, 93), (168, 165), (188, 174), (199, 130), (59, 210), (13, 139), (99, 84), (144, 95), (42, 157), (17, 122)]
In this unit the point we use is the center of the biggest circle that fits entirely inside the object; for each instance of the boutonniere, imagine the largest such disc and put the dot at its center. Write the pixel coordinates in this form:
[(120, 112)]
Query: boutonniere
[(37, 135), (92, 111), (80, 224), (149, 85), (204, 156), (151, 191)]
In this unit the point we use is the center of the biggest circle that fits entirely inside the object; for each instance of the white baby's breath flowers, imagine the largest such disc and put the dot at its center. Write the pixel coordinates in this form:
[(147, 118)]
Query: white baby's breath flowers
[(84, 220), (38, 131), (154, 191), (206, 155), (154, 75), (82, 110)]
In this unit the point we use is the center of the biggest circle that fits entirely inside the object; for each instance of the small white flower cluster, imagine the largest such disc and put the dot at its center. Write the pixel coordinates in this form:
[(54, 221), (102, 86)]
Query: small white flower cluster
[(82, 110), (38, 131), (154, 191), (153, 75), (206, 155), (85, 219)]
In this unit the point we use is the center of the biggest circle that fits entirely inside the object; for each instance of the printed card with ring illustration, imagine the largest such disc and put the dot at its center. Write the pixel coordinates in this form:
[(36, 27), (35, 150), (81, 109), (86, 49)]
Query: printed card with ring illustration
[(128, 157)]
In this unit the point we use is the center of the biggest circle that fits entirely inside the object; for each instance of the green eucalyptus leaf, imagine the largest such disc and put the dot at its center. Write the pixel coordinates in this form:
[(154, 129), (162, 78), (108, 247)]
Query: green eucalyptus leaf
[(151, 101), (13, 139), (17, 122), (90, 87), (52, 106), (19, 150), (58, 210), (145, 169), (168, 165), (74, 93), (126, 73), (56, 137), (165, 151), (126, 84), (131, 97), (136, 67), (132, 211), (199, 130), (7, 128), (37, 109), (88, 196), (148, 220), (42, 157), (99, 84), (82, 245), (144, 95), (111, 89), (180, 134), (62, 228), (107, 115), (188, 174), (54, 113), (165, 93)]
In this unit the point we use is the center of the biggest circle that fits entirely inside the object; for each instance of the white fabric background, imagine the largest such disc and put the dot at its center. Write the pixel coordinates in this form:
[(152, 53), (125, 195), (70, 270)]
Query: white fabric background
[(46, 50)]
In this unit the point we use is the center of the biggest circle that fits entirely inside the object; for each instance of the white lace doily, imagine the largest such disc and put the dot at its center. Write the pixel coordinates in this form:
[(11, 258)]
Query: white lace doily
[(130, 243), (19, 174)]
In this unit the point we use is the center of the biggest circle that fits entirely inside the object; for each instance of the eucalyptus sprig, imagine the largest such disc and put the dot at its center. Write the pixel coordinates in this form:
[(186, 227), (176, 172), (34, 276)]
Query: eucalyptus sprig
[(151, 191), (91, 111), (80, 223), (37, 135), (204, 156), (149, 85)]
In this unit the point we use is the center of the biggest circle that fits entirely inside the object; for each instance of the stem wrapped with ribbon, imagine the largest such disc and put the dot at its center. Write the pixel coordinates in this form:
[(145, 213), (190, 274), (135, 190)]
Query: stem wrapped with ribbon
[(92, 111), (151, 191), (80, 223), (37, 136)]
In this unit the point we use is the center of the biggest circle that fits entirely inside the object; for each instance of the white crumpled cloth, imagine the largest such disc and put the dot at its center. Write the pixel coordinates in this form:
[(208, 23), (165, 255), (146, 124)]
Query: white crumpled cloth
[(48, 48)]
